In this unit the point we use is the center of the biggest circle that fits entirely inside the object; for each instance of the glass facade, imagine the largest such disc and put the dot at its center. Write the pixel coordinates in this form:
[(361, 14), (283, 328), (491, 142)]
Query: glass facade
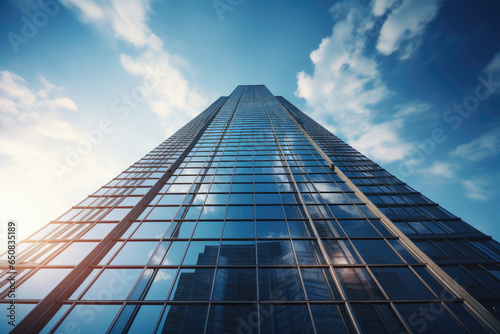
[(255, 219)]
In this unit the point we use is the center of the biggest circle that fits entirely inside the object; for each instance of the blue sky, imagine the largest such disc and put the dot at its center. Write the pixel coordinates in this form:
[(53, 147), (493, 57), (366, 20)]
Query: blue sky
[(88, 87)]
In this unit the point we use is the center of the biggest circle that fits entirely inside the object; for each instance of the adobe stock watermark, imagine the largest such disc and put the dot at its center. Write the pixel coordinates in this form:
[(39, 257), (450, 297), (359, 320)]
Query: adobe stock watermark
[(120, 109), (454, 117), (32, 25), (223, 6), (10, 236)]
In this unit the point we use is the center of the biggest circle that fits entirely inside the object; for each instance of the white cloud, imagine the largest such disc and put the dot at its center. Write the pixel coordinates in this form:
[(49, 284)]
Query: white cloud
[(405, 25), (346, 86), (414, 108), (440, 170), (381, 141), (125, 19), (37, 125), (381, 6), (165, 88), (488, 145), (476, 189)]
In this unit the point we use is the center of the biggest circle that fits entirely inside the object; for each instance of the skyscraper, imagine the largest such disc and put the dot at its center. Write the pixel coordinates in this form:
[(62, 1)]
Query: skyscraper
[(253, 218)]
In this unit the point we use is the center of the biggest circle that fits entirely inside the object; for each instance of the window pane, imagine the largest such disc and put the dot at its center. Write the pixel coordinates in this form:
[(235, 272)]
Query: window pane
[(417, 317), (383, 253), (163, 213), (436, 286), (113, 284), (213, 212), (331, 319), (466, 317), (286, 319), (317, 287), (99, 231), (239, 229), (358, 284), (280, 284), (407, 256), (181, 230), (237, 253), (135, 253), (193, 284), (179, 319), (235, 284), (269, 212), (116, 215), (241, 198), (145, 320), (272, 229), (358, 228), (238, 318), (75, 252), (240, 212), (345, 211), (217, 199), (161, 284), (175, 253), (202, 253), (49, 325), (377, 319), (275, 252), (208, 230), (308, 252), (41, 283), (100, 322), (151, 230), (401, 283), (340, 252)]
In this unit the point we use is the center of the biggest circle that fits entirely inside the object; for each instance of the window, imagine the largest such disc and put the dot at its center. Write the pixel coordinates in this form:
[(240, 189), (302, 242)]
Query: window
[(74, 253), (272, 229), (174, 319), (208, 229), (135, 253), (150, 230), (377, 318), (331, 319), (100, 320), (275, 252), (280, 284), (239, 229), (145, 320), (319, 284), (358, 284), (308, 252), (161, 284), (231, 318), (286, 319), (443, 322), (340, 252), (193, 284), (202, 253), (99, 231), (235, 284), (401, 283), (113, 284), (116, 214), (41, 283), (376, 251)]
